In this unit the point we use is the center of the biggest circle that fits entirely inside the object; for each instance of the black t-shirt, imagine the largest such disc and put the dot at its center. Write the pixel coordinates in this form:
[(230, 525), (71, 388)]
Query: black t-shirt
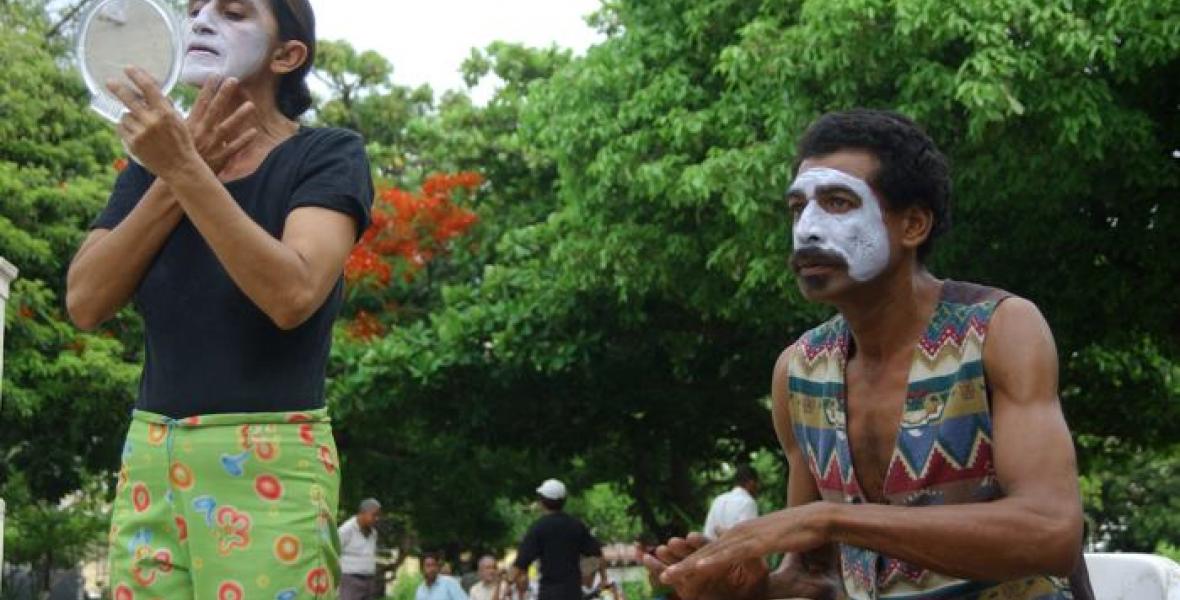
[(560, 541), (209, 348)]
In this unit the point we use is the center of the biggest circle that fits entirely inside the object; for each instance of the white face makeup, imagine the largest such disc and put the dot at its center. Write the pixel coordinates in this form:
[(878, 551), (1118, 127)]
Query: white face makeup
[(857, 235), (225, 43)]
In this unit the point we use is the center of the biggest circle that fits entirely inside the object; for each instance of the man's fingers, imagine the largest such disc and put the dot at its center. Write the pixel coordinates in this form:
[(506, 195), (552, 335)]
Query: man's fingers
[(148, 87), (697, 540), (654, 565), (665, 555), (690, 565), (680, 548)]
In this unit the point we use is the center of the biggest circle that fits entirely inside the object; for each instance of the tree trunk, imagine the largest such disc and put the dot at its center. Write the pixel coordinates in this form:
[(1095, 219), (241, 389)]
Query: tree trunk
[(43, 577)]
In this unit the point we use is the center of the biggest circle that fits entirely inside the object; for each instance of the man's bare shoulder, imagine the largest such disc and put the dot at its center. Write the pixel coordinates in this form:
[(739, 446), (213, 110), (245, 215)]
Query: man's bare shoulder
[(1020, 355)]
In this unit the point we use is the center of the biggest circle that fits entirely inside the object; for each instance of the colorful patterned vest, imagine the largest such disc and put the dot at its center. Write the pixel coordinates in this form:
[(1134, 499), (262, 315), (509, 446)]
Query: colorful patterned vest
[(943, 453)]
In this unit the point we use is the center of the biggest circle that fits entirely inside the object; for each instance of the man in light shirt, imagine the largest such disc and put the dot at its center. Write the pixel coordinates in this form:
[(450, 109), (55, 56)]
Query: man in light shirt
[(358, 554), (435, 586), (489, 580), (734, 506)]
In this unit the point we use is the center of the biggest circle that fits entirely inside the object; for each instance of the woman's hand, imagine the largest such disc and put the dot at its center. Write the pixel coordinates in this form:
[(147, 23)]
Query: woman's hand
[(153, 129), (219, 129)]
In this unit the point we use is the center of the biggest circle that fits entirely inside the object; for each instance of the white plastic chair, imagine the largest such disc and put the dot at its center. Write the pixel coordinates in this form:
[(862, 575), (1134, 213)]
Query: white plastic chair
[(1133, 577)]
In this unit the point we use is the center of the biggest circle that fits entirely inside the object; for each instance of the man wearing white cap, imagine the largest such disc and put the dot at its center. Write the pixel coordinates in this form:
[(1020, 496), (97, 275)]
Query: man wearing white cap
[(559, 541)]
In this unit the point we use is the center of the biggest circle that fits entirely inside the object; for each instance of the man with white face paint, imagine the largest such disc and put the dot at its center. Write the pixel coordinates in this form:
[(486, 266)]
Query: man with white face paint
[(928, 453), (855, 236)]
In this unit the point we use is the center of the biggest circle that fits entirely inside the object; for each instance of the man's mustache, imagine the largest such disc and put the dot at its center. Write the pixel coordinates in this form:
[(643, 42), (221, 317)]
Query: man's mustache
[(811, 256)]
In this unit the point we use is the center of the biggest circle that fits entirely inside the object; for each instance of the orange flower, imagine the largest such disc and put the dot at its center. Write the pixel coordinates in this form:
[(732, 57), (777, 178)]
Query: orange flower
[(412, 228), (365, 326)]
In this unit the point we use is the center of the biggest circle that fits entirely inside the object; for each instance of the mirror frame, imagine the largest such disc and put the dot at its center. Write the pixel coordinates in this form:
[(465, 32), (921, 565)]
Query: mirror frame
[(101, 100)]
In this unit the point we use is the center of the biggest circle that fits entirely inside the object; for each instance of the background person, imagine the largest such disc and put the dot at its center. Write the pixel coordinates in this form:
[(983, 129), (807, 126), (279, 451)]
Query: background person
[(559, 541), (361, 578), (734, 506)]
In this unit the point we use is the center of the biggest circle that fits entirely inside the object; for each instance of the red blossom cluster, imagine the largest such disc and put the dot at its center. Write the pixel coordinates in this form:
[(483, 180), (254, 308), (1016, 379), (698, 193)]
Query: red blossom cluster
[(412, 227), (365, 326), (408, 230)]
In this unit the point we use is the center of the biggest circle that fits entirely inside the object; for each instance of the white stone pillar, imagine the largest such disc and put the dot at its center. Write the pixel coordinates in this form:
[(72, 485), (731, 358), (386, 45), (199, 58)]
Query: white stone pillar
[(7, 274)]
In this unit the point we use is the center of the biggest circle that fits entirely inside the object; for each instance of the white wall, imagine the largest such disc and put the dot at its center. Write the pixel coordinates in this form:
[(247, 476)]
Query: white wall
[(7, 274)]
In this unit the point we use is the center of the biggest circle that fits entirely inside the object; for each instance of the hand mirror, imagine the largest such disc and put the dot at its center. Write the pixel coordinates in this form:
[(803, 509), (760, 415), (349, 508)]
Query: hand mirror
[(118, 33)]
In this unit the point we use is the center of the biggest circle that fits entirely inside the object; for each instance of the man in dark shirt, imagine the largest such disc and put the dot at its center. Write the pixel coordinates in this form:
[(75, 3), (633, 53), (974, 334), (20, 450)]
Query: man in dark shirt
[(559, 541)]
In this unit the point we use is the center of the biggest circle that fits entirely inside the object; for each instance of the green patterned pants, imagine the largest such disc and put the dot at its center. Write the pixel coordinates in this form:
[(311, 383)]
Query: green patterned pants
[(227, 507)]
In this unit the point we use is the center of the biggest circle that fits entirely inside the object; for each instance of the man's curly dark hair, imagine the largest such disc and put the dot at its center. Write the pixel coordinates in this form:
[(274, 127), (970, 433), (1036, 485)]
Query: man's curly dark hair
[(913, 171)]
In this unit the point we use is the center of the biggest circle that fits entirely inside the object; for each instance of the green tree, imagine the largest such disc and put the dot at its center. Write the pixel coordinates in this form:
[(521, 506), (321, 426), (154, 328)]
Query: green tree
[(363, 97), (634, 326), (53, 535), (607, 510), (396, 438), (67, 394), (1132, 498)]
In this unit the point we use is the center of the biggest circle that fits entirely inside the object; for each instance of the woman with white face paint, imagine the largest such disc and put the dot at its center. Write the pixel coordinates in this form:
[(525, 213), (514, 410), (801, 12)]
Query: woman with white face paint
[(231, 238)]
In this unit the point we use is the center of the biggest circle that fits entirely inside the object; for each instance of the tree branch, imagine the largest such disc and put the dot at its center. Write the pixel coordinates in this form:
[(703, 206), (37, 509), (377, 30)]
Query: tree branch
[(67, 16)]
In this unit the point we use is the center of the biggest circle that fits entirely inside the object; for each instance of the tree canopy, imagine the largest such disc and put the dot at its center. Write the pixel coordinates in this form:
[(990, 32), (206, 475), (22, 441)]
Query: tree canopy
[(634, 321)]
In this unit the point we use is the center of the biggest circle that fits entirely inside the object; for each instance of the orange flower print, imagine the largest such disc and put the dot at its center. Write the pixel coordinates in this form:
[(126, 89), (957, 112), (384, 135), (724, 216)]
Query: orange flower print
[(181, 475), (181, 529), (148, 566), (306, 435), (318, 581), (141, 499), (156, 433), (262, 439), (287, 549), (327, 459), (230, 590), (232, 529), (164, 561), (268, 487)]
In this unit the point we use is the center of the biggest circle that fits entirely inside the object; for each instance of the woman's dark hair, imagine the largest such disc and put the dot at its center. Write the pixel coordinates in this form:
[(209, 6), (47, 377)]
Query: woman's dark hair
[(912, 173), (296, 22)]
